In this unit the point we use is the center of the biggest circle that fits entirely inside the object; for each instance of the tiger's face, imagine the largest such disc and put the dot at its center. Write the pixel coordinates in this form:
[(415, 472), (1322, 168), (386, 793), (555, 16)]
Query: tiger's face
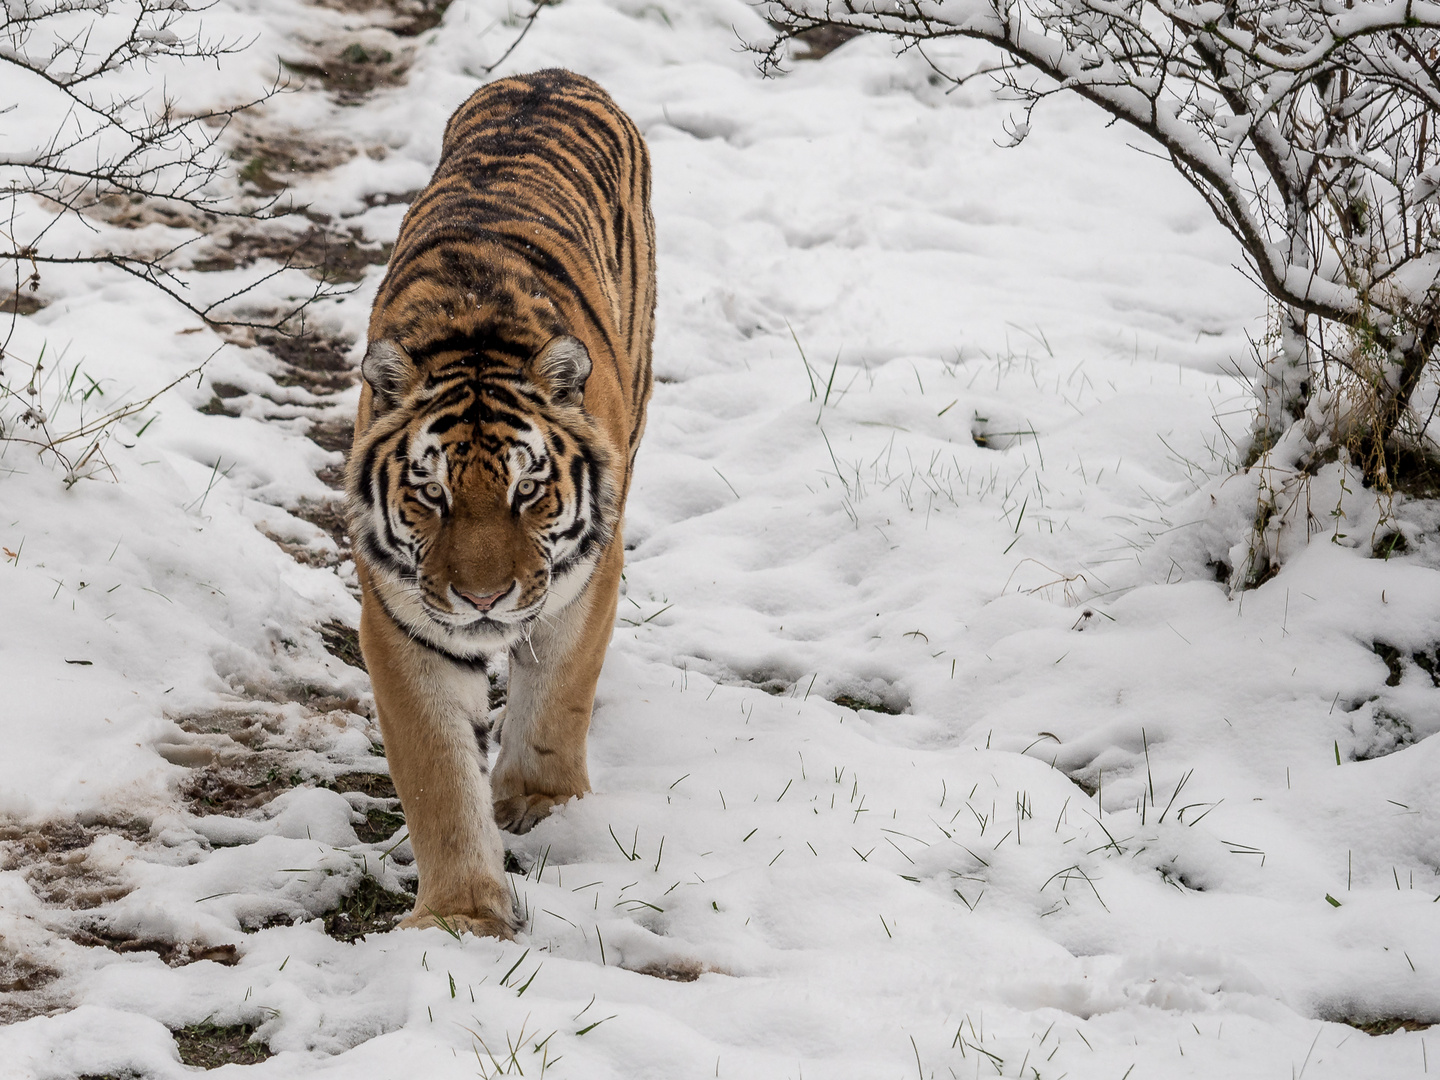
[(480, 496)]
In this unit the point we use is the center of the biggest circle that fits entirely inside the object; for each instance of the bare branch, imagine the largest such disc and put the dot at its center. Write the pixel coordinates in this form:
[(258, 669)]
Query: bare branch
[(1309, 127)]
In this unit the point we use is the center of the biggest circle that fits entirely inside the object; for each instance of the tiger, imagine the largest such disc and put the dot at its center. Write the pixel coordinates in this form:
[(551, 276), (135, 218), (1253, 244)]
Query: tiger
[(506, 376)]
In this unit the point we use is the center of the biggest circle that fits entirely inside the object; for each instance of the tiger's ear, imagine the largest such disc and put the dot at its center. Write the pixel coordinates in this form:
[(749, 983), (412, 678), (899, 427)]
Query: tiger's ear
[(564, 364), (387, 369)]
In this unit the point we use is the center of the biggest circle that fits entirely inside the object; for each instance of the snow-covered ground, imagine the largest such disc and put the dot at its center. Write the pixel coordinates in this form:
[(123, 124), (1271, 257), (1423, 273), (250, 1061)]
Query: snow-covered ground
[(939, 428)]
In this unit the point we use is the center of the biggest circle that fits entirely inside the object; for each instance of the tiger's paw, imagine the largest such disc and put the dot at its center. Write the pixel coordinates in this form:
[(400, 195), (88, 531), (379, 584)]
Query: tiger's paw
[(520, 813), (481, 925)]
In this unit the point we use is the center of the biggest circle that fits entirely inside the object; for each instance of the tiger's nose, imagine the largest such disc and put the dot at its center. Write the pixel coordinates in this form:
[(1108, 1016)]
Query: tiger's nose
[(484, 603)]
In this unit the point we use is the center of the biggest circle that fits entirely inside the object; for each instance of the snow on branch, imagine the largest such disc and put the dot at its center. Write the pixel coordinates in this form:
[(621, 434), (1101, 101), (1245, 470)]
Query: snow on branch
[(1308, 126)]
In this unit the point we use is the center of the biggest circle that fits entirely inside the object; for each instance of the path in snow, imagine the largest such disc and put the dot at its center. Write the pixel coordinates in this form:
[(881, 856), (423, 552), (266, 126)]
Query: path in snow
[(927, 743)]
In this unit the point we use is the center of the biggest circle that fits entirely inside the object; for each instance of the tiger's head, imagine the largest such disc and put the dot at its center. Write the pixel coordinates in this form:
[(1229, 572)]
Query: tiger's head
[(480, 492)]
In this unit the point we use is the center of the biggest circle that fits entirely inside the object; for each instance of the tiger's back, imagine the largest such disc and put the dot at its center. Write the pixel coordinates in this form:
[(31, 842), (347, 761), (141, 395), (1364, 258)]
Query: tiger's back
[(506, 381), (542, 196)]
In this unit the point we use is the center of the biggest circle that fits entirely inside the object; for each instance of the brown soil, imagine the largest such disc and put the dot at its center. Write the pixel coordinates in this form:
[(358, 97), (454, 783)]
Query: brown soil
[(382, 820), (55, 859), (22, 987), (250, 729), (379, 825), (403, 18), (323, 253), (1388, 1025), (343, 643), (369, 909), (272, 161), (333, 476), (312, 354), (328, 515), (304, 553), (209, 1046), (352, 73), (136, 211), (334, 434), (823, 40), (24, 302), (19, 974), (674, 971), (235, 789), (174, 953), (848, 702), (376, 785)]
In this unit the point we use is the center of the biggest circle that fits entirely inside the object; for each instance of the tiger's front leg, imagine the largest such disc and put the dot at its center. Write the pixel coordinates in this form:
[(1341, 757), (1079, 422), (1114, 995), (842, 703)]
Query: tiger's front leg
[(542, 759), (427, 705)]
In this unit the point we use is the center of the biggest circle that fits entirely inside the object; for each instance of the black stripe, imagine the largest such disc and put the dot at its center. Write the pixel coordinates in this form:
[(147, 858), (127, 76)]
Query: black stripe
[(473, 663)]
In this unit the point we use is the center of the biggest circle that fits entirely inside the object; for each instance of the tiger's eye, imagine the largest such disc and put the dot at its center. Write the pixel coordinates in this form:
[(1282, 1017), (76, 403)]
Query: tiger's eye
[(433, 491), (526, 488)]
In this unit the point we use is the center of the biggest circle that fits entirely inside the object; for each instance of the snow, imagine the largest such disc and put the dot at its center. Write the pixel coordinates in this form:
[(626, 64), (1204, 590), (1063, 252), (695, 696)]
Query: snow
[(941, 427)]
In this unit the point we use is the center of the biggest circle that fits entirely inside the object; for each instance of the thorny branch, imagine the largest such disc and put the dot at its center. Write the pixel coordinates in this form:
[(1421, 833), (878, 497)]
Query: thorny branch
[(85, 138)]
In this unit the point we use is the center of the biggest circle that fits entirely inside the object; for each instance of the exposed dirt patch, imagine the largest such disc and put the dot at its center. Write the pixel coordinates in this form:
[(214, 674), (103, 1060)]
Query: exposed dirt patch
[(870, 695), (848, 702), (274, 161), (55, 858), (67, 882), (23, 302), (773, 683), (328, 515), (1388, 544), (317, 362), (209, 1046), (354, 72), (174, 953), (1381, 733), (304, 553), (217, 407), (23, 980), (1391, 656), (1086, 781), (821, 41), (379, 825), (136, 211), (1388, 1025), (315, 698), (1415, 472), (333, 476), (250, 729), (334, 434), (237, 788), (376, 785), (369, 909), (404, 18), (244, 777), (343, 643), (325, 254), (19, 974), (1428, 661), (674, 971), (62, 836), (391, 198), (384, 817)]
